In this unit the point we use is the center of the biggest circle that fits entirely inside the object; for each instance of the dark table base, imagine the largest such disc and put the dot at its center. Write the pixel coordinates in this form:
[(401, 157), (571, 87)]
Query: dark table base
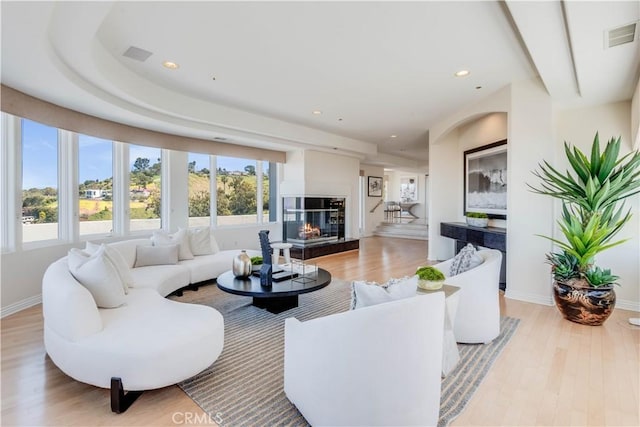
[(276, 305)]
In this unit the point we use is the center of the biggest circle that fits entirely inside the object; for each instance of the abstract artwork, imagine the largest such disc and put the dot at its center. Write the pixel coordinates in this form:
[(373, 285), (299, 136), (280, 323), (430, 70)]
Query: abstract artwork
[(485, 180), (374, 185)]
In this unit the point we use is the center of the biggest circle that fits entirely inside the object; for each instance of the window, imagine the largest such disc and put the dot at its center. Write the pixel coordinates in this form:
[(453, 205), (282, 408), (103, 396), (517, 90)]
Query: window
[(39, 181), (238, 183), (95, 189), (269, 199), (236, 191), (199, 190), (145, 181)]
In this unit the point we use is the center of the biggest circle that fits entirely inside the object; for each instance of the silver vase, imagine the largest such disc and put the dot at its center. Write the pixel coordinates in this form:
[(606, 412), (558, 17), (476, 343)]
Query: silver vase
[(242, 265)]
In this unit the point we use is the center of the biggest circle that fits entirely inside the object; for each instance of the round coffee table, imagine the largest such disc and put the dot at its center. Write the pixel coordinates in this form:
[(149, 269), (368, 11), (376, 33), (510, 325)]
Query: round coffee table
[(281, 296)]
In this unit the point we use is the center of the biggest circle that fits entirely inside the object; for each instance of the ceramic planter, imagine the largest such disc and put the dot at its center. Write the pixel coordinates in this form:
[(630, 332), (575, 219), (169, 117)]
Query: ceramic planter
[(430, 285), (587, 306), (477, 222)]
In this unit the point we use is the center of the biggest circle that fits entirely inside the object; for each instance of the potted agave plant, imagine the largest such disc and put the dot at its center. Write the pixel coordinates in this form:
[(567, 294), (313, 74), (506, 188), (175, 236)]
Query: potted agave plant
[(592, 214)]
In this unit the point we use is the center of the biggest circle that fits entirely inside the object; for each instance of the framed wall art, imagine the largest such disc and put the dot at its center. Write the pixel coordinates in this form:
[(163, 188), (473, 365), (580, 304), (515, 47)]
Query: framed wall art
[(374, 185), (485, 180), (409, 189)]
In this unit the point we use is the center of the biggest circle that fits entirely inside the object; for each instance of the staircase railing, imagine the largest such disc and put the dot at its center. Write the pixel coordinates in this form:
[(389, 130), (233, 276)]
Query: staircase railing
[(373, 209)]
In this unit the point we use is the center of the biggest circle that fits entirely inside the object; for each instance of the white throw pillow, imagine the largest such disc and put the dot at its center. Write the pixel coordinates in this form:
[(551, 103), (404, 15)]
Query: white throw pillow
[(180, 238), (156, 255), (364, 294), (215, 248), (118, 261), (98, 274), (200, 241), (465, 260)]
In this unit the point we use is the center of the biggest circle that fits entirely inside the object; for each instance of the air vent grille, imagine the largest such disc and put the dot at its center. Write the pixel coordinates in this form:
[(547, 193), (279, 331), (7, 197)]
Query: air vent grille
[(621, 35), (137, 54)]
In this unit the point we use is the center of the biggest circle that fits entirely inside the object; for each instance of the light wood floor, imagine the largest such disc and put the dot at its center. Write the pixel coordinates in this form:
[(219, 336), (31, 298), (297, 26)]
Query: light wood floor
[(553, 372)]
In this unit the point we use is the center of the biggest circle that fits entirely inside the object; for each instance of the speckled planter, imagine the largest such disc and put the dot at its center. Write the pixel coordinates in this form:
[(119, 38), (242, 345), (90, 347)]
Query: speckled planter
[(587, 306), (477, 222)]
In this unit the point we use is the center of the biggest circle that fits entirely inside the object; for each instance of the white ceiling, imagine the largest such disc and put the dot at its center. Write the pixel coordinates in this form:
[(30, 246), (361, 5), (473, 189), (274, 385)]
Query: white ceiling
[(383, 68)]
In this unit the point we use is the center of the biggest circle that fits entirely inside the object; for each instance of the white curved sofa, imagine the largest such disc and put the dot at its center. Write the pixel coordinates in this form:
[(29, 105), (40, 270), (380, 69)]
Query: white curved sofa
[(146, 343), (166, 279), (478, 315)]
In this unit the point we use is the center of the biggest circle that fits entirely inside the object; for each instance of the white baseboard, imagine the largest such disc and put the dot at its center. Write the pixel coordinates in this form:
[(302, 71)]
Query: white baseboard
[(528, 297), (20, 305), (625, 304)]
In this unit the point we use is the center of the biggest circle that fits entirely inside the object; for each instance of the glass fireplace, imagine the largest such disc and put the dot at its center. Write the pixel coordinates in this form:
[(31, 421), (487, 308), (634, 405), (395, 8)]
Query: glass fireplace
[(311, 220)]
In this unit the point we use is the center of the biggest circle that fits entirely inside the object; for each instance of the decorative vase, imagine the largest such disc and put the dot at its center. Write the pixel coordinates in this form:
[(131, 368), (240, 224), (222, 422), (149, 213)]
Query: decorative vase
[(242, 265), (477, 222), (430, 285), (587, 306)]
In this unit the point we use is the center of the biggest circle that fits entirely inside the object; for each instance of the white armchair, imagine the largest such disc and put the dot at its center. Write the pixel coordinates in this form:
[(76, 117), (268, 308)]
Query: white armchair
[(377, 365), (478, 316)]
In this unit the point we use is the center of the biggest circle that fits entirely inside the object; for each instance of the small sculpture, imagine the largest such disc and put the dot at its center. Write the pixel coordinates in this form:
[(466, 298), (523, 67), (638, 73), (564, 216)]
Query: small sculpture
[(266, 269)]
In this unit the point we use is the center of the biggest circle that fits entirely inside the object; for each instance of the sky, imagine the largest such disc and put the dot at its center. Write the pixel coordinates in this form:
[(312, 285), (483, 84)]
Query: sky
[(39, 157)]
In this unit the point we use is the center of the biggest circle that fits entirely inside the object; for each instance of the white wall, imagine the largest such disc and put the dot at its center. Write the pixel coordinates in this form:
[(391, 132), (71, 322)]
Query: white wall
[(315, 173), (634, 141), (535, 131), (527, 125), (372, 219), (578, 127), (530, 140)]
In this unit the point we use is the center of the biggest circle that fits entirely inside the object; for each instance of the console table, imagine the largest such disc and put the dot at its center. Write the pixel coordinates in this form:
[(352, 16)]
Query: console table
[(489, 237)]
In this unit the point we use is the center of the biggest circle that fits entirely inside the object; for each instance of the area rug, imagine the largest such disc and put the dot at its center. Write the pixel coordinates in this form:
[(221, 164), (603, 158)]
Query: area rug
[(244, 387)]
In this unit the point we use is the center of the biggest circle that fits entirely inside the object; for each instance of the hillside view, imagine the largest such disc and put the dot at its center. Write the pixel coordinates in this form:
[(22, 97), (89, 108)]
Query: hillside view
[(236, 194)]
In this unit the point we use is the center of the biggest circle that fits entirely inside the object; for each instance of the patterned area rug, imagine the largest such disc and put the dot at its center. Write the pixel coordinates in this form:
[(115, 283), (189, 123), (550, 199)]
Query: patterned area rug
[(244, 387)]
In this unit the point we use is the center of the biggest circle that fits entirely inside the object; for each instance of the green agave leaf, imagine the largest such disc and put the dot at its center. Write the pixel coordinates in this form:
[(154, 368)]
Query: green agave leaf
[(610, 156), (583, 159), (577, 166), (595, 155)]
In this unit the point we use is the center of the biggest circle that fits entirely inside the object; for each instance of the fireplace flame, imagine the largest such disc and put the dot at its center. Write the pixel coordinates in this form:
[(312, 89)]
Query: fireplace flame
[(308, 231)]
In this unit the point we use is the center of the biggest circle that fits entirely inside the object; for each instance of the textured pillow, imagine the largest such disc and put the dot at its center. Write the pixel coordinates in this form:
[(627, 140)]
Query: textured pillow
[(117, 260), (98, 274), (180, 238), (364, 294), (465, 260), (156, 255), (200, 241)]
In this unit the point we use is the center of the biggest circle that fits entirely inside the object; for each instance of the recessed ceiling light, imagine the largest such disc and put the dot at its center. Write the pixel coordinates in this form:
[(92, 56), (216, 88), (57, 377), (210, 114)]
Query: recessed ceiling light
[(170, 65), (462, 73), (213, 77), (478, 87), (340, 119), (316, 112), (394, 136)]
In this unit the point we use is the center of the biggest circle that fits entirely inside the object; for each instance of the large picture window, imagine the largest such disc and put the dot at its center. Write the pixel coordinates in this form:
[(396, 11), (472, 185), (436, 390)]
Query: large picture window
[(39, 181), (95, 189), (199, 190), (145, 180), (236, 191)]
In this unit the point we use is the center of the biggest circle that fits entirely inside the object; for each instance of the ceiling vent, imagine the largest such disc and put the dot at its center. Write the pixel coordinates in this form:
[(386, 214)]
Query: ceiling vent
[(620, 35), (137, 54)]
